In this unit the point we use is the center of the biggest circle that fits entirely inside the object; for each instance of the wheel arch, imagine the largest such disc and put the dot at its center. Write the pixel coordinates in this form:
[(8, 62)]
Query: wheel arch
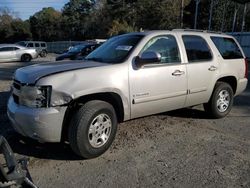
[(26, 54), (231, 80), (113, 98)]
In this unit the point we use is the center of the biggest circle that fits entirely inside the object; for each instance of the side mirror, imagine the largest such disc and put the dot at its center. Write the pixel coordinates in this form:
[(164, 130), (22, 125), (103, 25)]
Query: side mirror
[(147, 57)]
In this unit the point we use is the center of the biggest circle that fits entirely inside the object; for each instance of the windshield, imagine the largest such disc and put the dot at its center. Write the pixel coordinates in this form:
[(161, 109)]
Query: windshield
[(116, 49), (76, 49), (21, 44)]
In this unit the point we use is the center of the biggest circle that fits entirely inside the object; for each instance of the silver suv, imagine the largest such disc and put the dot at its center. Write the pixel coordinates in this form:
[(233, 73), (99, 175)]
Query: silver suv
[(40, 46), (129, 76)]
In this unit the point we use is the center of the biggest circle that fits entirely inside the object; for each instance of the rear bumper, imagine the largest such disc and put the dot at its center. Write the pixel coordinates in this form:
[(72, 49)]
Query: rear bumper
[(242, 84), (42, 124)]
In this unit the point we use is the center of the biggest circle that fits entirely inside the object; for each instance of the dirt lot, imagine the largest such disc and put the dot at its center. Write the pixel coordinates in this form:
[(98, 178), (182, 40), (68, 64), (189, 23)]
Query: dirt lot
[(176, 149)]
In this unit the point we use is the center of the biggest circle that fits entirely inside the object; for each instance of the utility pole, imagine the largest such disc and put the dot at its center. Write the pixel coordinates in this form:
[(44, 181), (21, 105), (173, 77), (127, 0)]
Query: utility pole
[(223, 17), (244, 18), (196, 13), (210, 14), (235, 16), (182, 10)]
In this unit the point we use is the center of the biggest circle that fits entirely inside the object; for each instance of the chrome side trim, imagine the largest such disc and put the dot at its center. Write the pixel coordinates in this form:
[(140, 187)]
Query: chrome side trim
[(159, 97), (197, 90)]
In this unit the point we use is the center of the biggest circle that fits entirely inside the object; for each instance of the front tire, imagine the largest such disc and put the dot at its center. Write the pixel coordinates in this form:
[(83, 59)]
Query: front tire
[(26, 58), (221, 101), (92, 129)]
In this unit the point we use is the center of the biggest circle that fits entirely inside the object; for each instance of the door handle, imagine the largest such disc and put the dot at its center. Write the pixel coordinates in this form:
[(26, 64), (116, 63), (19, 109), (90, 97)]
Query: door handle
[(178, 73), (212, 68)]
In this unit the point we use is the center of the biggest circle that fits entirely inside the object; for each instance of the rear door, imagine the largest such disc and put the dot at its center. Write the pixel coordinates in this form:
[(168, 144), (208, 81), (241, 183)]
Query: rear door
[(202, 69)]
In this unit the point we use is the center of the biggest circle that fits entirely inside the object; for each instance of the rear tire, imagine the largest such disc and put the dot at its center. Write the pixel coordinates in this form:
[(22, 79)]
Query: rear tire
[(221, 101), (43, 53), (92, 129), (26, 58)]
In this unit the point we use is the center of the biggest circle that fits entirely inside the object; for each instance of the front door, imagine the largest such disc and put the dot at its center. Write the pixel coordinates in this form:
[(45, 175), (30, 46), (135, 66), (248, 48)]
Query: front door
[(159, 87)]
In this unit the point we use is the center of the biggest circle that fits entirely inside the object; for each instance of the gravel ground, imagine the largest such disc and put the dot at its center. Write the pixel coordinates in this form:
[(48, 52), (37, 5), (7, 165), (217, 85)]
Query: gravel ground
[(182, 148)]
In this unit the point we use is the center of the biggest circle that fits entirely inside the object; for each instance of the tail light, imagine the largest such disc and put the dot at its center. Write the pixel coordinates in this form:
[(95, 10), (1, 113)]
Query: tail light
[(246, 68)]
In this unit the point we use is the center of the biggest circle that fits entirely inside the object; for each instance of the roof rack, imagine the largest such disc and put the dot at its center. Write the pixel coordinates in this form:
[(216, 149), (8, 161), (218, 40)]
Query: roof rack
[(197, 30)]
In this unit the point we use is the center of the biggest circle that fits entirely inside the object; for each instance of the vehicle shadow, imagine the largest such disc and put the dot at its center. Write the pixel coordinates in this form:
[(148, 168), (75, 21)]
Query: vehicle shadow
[(188, 113), (31, 148)]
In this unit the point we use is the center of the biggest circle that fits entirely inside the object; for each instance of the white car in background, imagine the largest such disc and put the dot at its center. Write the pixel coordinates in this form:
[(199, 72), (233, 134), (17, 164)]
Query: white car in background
[(13, 52)]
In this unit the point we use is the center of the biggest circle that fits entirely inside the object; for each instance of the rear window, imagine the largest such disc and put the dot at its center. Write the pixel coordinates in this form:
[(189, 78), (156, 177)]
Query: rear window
[(197, 48), (227, 47)]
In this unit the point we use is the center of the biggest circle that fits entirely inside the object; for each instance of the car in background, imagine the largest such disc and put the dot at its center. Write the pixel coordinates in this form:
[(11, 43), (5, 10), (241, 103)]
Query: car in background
[(40, 46), (78, 52), (14, 52)]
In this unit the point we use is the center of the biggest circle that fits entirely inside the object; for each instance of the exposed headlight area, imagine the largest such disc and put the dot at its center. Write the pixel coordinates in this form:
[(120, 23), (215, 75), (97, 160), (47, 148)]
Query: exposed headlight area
[(31, 96), (35, 96)]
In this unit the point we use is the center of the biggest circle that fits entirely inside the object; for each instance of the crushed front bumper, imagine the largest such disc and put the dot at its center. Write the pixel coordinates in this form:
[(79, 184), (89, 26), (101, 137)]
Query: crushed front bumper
[(42, 124)]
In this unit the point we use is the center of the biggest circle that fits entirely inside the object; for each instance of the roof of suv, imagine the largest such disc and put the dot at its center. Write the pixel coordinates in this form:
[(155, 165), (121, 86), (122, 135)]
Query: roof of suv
[(184, 31)]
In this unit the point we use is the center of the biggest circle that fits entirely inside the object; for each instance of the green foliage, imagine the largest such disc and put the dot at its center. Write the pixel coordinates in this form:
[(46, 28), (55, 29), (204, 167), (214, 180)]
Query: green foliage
[(13, 29), (46, 24), (118, 28), (88, 19), (76, 15)]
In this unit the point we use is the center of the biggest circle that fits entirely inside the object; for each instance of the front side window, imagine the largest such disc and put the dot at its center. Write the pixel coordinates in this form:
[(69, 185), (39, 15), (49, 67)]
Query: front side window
[(196, 48), (116, 49), (43, 45), (6, 49), (166, 46), (227, 47), (30, 45)]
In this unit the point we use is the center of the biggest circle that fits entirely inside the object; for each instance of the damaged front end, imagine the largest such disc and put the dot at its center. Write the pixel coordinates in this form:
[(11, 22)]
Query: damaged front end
[(59, 99), (38, 96)]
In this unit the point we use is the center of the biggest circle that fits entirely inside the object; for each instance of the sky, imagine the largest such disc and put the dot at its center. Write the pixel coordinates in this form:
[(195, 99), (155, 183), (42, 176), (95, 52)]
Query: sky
[(26, 8)]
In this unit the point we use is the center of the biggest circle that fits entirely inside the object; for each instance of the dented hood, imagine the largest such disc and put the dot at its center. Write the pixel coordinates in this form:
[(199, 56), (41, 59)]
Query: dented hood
[(31, 74)]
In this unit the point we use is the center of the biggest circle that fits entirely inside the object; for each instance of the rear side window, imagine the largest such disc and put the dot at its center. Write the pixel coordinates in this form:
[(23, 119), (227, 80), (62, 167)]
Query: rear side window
[(227, 47), (37, 45), (43, 45), (197, 48)]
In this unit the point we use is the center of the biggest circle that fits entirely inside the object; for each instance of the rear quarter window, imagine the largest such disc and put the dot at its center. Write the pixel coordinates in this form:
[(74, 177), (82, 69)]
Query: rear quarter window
[(227, 47)]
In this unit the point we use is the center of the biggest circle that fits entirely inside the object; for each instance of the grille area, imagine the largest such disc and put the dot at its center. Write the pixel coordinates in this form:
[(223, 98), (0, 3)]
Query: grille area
[(16, 91)]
